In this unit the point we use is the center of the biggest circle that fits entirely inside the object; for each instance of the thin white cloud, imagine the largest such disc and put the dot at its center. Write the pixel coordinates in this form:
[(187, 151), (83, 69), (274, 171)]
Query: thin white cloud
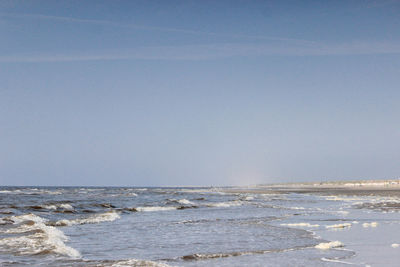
[(151, 28), (209, 52)]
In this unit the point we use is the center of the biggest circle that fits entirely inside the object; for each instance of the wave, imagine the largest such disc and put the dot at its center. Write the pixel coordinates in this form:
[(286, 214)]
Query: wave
[(329, 245), (37, 238), (6, 212), (155, 208), (105, 205), (225, 204), (181, 201), (338, 226), (31, 191), (62, 207), (297, 208), (131, 194), (7, 191), (372, 224), (246, 198), (205, 256), (97, 218)]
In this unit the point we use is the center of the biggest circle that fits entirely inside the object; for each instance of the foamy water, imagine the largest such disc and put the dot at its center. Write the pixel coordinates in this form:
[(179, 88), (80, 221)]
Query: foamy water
[(300, 225), (34, 237), (190, 227), (338, 226), (329, 245), (101, 217)]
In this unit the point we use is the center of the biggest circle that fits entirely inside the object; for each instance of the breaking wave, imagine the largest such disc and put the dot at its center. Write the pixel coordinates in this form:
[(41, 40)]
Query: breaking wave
[(32, 191), (329, 245), (97, 218), (62, 206), (156, 208), (225, 204), (181, 201), (338, 226), (37, 237)]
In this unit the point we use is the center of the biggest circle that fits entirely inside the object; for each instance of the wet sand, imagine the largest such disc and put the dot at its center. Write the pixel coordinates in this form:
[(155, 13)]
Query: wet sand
[(370, 208)]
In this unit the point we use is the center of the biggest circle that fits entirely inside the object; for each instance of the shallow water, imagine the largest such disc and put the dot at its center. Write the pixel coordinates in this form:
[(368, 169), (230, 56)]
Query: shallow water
[(73, 226)]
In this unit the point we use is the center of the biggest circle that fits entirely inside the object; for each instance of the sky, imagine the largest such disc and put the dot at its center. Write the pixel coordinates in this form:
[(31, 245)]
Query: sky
[(198, 93)]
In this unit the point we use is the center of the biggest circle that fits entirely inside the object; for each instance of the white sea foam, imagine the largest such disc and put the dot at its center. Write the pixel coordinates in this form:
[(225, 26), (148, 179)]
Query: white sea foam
[(297, 208), (39, 238), (225, 204), (300, 224), (372, 224), (63, 206), (185, 202), (49, 207), (95, 189), (329, 245), (26, 217), (16, 191), (247, 198), (338, 226), (181, 201), (156, 208), (51, 192), (4, 221), (395, 245), (66, 206), (97, 218)]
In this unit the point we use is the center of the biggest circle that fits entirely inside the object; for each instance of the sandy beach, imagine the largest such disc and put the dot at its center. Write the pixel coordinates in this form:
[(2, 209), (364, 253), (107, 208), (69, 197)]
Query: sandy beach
[(368, 222)]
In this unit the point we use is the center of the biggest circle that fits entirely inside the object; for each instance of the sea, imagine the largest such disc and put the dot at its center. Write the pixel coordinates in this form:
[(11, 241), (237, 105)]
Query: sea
[(122, 226)]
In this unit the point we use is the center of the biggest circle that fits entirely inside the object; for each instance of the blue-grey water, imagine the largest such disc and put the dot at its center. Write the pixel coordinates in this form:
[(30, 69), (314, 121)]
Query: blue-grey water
[(79, 226)]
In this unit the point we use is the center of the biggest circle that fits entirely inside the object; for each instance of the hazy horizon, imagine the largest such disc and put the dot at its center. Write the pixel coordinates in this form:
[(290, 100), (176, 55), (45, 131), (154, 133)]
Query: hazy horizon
[(198, 93)]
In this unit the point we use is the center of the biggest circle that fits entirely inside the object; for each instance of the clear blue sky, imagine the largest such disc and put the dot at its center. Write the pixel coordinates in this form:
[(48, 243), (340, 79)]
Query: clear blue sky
[(198, 92)]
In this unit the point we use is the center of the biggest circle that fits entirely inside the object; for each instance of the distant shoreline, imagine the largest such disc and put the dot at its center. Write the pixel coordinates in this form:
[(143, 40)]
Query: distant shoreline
[(340, 184), (362, 187)]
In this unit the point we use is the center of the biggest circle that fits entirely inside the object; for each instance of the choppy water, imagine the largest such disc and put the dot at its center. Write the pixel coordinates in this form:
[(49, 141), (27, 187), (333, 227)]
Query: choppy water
[(73, 226)]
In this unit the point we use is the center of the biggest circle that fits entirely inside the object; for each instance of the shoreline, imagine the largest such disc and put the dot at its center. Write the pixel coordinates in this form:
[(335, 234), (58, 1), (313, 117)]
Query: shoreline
[(366, 187), (366, 222)]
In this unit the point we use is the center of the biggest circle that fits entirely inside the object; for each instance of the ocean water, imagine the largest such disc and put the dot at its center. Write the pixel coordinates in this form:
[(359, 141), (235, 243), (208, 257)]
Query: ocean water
[(81, 226)]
